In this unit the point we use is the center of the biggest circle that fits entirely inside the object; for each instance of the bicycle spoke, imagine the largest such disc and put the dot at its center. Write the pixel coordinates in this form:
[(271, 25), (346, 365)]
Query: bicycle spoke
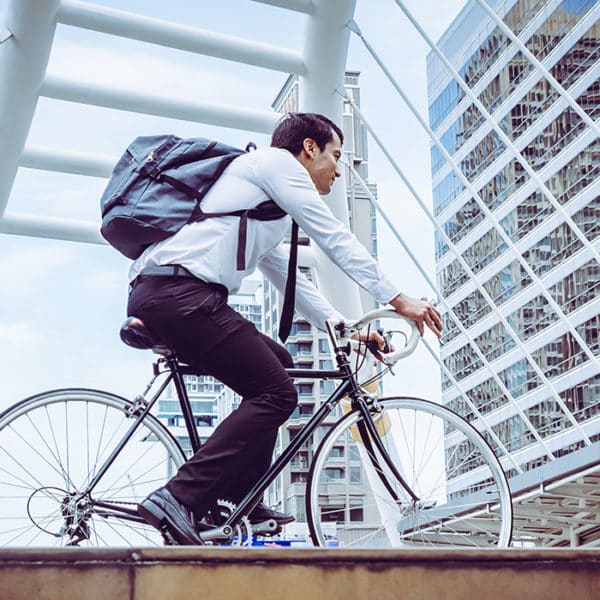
[(51, 427), (115, 492), (92, 472), (87, 434), (22, 468), (58, 462), (126, 472), (67, 438)]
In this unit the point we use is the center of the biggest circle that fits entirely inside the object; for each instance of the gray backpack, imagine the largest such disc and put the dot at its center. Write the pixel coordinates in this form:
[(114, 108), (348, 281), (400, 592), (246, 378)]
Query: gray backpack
[(156, 188)]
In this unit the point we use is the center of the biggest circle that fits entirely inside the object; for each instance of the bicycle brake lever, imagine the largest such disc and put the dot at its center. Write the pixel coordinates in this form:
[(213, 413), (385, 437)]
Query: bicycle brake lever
[(374, 346)]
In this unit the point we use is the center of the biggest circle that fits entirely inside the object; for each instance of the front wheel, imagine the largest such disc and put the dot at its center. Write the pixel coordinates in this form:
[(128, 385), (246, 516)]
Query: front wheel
[(463, 499)]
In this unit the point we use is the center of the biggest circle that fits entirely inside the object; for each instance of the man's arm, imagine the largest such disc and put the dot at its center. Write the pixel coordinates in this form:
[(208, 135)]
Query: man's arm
[(288, 183)]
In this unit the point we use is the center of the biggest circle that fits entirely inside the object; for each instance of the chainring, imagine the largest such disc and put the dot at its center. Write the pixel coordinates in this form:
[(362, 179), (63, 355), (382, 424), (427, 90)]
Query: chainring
[(242, 531)]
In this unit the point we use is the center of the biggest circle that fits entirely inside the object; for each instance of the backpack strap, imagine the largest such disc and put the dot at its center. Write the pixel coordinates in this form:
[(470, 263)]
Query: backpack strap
[(265, 211), (289, 298)]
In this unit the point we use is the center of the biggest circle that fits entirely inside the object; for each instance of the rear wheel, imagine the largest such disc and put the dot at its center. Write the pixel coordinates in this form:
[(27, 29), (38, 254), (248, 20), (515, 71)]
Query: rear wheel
[(463, 497), (51, 447)]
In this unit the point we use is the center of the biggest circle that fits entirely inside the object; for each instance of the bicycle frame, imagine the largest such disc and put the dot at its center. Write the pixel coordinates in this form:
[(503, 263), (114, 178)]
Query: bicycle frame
[(348, 387)]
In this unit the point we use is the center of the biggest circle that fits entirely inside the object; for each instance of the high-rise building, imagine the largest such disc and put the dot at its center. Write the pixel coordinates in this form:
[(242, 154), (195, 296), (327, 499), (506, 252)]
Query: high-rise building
[(537, 391), (310, 348)]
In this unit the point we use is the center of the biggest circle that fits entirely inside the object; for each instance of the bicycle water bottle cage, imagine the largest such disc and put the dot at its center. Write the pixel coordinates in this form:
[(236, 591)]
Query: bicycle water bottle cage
[(135, 334)]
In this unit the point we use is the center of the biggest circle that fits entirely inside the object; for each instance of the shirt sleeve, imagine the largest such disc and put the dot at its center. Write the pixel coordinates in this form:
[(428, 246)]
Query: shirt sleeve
[(310, 303), (288, 183)]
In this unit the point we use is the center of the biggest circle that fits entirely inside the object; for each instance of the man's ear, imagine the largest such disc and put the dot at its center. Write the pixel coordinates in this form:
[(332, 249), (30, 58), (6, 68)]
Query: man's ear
[(309, 145)]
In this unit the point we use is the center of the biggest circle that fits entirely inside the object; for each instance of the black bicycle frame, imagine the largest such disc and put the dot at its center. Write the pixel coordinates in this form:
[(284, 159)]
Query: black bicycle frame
[(348, 387)]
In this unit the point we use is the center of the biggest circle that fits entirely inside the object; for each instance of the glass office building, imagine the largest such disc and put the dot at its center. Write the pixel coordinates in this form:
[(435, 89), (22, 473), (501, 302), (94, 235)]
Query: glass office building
[(524, 365)]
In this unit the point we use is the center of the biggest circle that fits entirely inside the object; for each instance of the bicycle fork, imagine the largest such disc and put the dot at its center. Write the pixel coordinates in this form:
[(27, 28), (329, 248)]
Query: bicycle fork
[(369, 437)]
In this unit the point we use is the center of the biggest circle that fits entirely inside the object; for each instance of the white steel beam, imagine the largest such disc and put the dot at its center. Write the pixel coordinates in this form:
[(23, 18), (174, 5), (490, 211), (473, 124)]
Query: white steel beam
[(325, 48), (49, 227), (76, 163), (25, 46), (303, 6), (508, 143), (540, 67), (182, 37), (354, 27), (482, 422), (236, 117), (488, 213)]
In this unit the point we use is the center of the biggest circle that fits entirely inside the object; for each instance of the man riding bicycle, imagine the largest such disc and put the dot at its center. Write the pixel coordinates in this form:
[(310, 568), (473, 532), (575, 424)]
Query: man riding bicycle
[(179, 288)]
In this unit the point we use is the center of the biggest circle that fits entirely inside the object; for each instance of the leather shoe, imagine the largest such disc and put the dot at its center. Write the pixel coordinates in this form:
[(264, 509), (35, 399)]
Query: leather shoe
[(161, 509), (262, 512)]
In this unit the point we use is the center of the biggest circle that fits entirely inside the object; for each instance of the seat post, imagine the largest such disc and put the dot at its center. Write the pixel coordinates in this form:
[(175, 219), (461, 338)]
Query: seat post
[(184, 401)]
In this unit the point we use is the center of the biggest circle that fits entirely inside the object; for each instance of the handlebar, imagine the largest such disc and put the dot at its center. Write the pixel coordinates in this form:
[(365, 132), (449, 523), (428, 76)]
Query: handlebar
[(343, 329)]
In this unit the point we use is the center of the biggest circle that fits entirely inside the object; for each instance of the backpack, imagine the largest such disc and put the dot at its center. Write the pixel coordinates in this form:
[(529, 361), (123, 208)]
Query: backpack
[(156, 188)]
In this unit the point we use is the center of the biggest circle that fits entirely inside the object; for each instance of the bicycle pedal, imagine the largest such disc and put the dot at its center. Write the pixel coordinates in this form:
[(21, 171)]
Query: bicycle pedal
[(268, 527)]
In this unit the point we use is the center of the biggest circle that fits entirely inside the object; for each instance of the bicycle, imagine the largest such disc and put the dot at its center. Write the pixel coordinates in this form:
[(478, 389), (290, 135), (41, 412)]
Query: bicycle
[(390, 472)]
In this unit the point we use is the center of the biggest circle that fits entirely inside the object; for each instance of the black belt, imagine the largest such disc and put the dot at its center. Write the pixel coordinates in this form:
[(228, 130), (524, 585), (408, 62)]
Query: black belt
[(167, 270)]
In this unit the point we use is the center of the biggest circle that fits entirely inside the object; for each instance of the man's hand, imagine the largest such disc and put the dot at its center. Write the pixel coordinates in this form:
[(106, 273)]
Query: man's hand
[(372, 336), (419, 311)]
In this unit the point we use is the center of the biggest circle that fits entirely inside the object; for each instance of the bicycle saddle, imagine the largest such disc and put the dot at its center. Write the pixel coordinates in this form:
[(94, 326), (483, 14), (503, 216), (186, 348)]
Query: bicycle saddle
[(135, 334)]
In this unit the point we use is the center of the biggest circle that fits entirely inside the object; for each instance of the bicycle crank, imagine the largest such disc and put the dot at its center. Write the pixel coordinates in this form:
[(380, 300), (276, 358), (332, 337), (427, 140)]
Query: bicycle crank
[(240, 534)]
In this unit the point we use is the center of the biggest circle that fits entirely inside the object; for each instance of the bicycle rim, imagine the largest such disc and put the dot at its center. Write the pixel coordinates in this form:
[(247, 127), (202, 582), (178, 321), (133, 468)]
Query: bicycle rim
[(463, 497), (52, 445)]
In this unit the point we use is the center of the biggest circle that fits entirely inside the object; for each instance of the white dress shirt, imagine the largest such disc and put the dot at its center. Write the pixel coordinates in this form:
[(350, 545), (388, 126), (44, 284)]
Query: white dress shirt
[(208, 248)]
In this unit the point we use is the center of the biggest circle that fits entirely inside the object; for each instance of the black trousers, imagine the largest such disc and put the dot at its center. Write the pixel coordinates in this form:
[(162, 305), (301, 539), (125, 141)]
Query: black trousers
[(194, 319)]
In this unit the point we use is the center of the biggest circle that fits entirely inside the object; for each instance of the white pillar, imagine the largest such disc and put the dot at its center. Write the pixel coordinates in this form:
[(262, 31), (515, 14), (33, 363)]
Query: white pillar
[(325, 50), (27, 36)]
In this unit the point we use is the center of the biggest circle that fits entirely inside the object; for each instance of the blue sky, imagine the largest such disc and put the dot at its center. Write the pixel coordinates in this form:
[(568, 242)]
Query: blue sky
[(61, 303)]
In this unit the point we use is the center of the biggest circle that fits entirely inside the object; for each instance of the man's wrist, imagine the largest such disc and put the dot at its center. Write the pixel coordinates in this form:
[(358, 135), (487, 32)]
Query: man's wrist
[(397, 300)]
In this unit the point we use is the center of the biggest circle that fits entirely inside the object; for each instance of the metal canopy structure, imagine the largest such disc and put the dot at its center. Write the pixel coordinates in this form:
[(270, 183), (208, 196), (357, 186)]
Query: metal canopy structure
[(557, 503)]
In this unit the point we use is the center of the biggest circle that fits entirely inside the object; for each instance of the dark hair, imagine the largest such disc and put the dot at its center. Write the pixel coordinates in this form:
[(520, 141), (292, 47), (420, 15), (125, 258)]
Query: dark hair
[(294, 128)]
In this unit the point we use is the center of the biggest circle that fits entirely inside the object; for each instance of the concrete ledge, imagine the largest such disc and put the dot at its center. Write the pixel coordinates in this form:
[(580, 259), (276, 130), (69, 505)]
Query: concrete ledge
[(184, 573)]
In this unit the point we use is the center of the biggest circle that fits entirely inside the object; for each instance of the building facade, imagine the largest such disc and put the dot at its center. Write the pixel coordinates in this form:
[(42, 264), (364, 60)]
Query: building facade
[(533, 386)]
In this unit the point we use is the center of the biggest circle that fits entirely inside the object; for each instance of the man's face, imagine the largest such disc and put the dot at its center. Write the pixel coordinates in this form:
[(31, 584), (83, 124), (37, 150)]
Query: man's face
[(322, 165)]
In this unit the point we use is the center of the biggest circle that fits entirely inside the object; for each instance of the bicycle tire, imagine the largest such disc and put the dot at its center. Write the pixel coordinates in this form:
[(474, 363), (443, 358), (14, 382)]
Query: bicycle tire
[(464, 498), (52, 443)]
